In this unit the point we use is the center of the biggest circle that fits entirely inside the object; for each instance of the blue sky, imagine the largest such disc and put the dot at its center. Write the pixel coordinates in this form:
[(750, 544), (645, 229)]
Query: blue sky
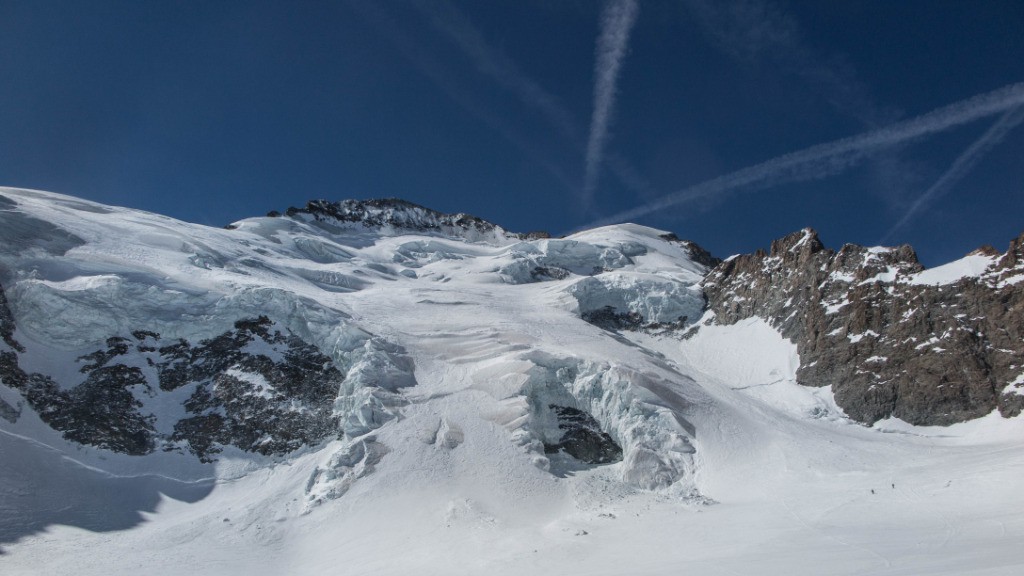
[(534, 114)]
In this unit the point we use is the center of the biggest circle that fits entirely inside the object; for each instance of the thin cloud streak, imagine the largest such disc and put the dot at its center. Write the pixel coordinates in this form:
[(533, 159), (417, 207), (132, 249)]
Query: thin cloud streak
[(760, 34), (489, 62), (438, 74), (961, 166), (616, 24), (830, 158), (447, 18)]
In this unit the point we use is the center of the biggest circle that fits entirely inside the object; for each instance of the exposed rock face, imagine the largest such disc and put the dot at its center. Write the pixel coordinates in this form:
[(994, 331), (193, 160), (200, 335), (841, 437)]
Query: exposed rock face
[(889, 344), (257, 387), (582, 438), (609, 318), (7, 324), (260, 390), (698, 253), (406, 216), (101, 411)]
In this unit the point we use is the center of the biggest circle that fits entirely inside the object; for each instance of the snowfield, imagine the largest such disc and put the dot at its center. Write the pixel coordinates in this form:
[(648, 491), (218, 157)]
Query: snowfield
[(454, 352)]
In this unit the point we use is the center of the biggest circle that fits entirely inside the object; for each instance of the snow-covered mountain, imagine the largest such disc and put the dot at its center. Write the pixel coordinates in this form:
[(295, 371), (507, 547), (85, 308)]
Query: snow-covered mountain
[(376, 387), (891, 338)]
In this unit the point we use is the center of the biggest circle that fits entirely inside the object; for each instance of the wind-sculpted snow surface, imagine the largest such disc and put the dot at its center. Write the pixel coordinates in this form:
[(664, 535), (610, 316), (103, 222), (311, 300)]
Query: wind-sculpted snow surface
[(379, 388), (350, 463), (179, 337)]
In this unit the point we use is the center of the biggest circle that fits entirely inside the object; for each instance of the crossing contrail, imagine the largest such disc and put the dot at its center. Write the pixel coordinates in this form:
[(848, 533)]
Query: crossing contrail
[(616, 23), (962, 165), (833, 157), (494, 64), (507, 74), (447, 83)]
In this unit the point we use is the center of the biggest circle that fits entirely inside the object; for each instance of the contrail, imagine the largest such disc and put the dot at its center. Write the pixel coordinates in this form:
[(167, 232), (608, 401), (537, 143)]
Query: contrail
[(616, 23), (490, 62), (833, 157), (438, 74), (962, 165)]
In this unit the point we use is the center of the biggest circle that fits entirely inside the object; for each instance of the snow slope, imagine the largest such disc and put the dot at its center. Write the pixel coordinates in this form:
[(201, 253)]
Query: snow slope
[(728, 466)]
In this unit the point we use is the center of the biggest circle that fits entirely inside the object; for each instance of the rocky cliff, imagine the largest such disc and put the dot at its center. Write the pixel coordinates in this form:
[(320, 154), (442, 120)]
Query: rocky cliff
[(403, 216), (257, 387), (890, 338)]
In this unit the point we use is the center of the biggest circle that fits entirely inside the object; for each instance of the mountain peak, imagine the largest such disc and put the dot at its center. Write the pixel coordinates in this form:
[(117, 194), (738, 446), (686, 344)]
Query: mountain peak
[(401, 215), (1014, 255), (802, 242), (307, 379)]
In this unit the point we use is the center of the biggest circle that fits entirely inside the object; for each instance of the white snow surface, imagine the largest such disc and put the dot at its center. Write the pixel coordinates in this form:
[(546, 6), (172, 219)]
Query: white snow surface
[(729, 466), (970, 265)]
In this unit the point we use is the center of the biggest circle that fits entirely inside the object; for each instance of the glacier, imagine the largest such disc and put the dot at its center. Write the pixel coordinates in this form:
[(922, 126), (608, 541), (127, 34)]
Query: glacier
[(485, 402)]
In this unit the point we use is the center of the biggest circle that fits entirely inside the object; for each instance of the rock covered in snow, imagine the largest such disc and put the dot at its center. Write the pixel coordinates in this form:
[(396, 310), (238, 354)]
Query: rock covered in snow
[(582, 437), (598, 414), (394, 216), (257, 387), (892, 339)]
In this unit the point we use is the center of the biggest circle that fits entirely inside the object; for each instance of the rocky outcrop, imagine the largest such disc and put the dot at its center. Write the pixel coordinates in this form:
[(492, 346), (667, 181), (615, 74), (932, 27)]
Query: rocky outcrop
[(697, 253), (889, 343), (582, 438), (7, 324), (9, 349), (400, 215), (609, 318), (257, 387), (101, 411)]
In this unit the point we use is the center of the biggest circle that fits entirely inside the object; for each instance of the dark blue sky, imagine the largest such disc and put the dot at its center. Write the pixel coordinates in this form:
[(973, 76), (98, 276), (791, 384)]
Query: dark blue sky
[(214, 111)]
